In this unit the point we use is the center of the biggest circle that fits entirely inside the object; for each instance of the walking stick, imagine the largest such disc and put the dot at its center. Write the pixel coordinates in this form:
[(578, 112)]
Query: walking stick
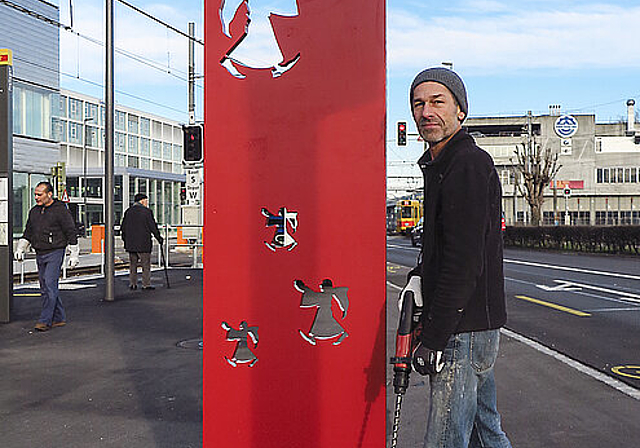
[(164, 262)]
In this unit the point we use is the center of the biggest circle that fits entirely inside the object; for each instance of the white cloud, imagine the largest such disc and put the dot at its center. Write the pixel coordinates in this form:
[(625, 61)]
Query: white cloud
[(525, 38)]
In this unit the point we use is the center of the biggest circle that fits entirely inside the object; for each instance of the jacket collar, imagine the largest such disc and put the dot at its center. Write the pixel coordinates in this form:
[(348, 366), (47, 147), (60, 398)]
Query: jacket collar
[(447, 152)]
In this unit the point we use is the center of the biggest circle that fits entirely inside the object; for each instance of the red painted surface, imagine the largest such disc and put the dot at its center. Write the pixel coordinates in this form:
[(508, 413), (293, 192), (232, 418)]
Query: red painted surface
[(313, 141)]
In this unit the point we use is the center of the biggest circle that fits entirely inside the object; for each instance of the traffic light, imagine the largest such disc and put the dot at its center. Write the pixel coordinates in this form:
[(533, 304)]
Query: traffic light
[(192, 146), (183, 192), (402, 133)]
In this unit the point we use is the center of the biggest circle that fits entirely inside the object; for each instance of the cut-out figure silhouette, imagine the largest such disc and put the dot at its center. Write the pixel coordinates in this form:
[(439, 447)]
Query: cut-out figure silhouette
[(325, 326), (257, 47), (242, 353), (281, 238)]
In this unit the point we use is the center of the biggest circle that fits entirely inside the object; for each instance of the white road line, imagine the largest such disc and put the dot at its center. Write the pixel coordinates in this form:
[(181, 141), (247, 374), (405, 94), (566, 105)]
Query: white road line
[(567, 268), (403, 247), (593, 373), (582, 293)]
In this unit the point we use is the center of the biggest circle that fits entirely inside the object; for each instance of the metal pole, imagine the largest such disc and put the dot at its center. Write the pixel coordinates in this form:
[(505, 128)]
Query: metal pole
[(109, 272), (192, 75), (85, 221), (6, 184)]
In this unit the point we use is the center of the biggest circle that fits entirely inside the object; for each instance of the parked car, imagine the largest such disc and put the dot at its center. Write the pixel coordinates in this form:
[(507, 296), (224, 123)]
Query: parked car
[(416, 234)]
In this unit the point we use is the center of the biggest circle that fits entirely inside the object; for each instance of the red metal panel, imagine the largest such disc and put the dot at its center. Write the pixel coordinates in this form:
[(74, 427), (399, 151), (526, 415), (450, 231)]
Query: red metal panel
[(310, 140)]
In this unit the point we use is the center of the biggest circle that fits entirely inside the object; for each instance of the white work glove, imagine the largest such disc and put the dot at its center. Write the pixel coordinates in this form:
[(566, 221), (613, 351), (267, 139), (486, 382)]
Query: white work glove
[(414, 285), (23, 247), (74, 255)]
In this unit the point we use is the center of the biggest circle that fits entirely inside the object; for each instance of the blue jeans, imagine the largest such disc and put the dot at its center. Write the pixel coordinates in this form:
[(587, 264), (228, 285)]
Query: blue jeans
[(463, 411), (48, 273)]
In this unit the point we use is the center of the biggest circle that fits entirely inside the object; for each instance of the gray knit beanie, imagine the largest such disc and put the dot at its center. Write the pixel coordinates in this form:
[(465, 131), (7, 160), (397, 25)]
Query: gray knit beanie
[(447, 78)]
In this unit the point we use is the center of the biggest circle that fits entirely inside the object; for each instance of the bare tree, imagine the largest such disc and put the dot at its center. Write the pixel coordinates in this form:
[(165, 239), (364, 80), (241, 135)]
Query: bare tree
[(535, 167)]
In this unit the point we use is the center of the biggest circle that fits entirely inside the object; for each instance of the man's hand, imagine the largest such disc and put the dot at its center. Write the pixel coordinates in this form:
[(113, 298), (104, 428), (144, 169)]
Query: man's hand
[(427, 361), (23, 246), (414, 285), (74, 255)]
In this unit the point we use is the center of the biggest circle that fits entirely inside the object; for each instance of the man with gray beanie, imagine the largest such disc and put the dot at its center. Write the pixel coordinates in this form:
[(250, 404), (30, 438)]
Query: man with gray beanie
[(136, 229), (459, 280)]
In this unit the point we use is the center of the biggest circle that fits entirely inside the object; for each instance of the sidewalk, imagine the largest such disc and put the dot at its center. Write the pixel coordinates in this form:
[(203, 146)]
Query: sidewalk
[(114, 376)]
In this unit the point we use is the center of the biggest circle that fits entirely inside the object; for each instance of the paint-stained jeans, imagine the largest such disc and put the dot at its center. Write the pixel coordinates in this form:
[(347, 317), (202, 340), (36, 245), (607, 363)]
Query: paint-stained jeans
[(48, 273), (463, 411)]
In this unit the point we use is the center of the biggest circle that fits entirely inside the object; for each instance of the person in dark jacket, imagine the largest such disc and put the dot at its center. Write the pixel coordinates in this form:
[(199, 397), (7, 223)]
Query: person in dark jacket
[(50, 229), (138, 224), (459, 279)]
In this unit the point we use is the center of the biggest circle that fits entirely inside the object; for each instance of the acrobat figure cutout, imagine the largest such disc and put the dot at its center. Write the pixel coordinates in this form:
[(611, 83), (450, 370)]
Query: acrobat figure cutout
[(325, 326), (242, 353), (256, 49), (281, 238)]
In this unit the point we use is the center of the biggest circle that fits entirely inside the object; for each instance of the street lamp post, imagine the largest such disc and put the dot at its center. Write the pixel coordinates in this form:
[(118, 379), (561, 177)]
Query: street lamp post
[(85, 220)]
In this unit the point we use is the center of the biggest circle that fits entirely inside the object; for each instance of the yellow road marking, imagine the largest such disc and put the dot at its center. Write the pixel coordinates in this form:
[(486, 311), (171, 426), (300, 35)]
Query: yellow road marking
[(27, 294), (624, 371), (555, 306)]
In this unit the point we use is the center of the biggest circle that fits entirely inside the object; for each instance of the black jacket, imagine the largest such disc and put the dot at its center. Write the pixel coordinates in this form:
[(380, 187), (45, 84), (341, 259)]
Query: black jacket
[(50, 228), (461, 259), (136, 228)]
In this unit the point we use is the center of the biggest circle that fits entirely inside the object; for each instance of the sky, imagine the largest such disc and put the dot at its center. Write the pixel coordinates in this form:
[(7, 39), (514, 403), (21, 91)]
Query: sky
[(513, 56)]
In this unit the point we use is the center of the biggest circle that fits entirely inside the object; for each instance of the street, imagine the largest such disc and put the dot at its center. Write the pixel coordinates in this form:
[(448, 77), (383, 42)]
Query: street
[(568, 372), (586, 307)]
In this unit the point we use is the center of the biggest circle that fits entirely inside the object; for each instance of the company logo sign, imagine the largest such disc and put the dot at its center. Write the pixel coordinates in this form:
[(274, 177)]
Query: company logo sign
[(566, 126)]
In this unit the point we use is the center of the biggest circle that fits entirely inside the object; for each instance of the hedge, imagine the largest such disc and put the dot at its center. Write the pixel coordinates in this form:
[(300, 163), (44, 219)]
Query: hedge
[(604, 239)]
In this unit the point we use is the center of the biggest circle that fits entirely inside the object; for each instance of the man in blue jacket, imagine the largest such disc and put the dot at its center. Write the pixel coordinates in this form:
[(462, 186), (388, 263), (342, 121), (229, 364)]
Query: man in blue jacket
[(459, 279), (138, 224), (50, 229)]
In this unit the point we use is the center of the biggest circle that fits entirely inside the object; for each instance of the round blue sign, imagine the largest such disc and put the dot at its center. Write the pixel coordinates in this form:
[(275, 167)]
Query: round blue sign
[(566, 126)]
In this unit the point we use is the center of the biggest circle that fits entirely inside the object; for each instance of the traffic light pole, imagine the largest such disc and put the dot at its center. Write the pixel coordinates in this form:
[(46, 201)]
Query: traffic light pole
[(6, 185)]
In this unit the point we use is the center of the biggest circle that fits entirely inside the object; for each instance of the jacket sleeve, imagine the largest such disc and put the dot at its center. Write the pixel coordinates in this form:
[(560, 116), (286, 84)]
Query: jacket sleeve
[(68, 225), (28, 230), (123, 226), (464, 221), (153, 225)]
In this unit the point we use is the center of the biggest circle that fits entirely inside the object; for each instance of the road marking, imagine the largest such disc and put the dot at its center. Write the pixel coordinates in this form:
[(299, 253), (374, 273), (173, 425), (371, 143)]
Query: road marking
[(563, 286), (613, 310), (608, 299), (567, 268), (593, 373), (623, 370), (589, 371), (27, 294), (554, 306), (403, 247)]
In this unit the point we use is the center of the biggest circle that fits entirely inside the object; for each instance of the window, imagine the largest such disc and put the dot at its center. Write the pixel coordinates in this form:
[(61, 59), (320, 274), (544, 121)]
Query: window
[(92, 136), (177, 153), (157, 149), (627, 175), (132, 162), (145, 146), (132, 124), (634, 175), (132, 145), (94, 188), (605, 175), (167, 152), (91, 111), (145, 127), (120, 120), (620, 175), (145, 163), (75, 133), (62, 108), (119, 142), (120, 160), (625, 218), (157, 129), (599, 176), (75, 109)]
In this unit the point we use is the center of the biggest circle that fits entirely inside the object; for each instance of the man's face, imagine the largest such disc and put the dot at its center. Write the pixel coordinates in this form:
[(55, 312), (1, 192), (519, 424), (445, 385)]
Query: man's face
[(436, 112), (43, 197)]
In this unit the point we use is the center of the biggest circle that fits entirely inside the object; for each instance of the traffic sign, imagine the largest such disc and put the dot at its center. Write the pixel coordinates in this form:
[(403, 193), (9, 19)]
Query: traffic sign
[(567, 192)]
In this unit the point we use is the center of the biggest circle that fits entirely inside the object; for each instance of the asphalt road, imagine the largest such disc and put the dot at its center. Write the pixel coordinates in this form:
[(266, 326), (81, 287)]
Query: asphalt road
[(586, 307)]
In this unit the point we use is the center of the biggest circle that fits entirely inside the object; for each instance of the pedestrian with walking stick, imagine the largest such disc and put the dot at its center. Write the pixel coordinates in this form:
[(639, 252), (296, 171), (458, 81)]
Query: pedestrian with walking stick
[(138, 224)]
